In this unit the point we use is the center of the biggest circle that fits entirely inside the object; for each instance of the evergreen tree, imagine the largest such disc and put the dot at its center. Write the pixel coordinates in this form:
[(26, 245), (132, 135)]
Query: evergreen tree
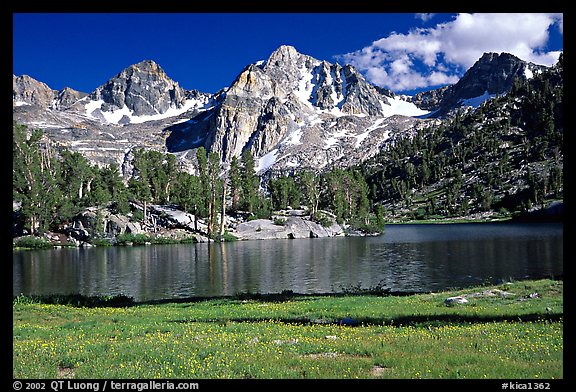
[(76, 178), (158, 171), (235, 181), (283, 193), (202, 159), (188, 194), (311, 189), (250, 183), (362, 202), (139, 189), (34, 179), (216, 187), (111, 181)]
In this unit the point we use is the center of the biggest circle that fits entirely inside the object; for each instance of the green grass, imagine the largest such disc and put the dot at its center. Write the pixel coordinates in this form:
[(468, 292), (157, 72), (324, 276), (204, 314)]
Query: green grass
[(299, 337)]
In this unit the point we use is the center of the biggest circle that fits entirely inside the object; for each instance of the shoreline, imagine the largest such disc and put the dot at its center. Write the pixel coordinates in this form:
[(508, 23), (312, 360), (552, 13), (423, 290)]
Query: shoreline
[(191, 239)]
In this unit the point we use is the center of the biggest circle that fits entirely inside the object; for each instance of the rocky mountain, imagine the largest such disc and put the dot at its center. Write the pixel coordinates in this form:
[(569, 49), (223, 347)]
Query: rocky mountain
[(141, 90), (290, 110), (129, 111), (493, 74), (27, 91), (296, 111)]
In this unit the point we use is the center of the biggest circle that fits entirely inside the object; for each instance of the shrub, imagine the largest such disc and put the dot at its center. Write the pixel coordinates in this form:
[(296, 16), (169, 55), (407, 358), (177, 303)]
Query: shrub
[(323, 220), (101, 242), (280, 221), (137, 216), (229, 237), (135, 239), (165, 241), (32, 242)]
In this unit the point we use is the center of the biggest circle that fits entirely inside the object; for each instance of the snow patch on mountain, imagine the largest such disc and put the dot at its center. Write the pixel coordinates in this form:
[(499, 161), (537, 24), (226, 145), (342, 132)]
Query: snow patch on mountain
[(266, 161), (360, 138), (306, 84), (477, 101), (397, 105), (294, 137), (337, 98), (343, 79), (125, 115), (335, 138)]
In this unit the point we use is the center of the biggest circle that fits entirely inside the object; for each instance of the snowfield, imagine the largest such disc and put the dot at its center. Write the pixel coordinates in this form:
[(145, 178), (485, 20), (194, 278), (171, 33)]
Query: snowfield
[(401, 107), (115, 116)]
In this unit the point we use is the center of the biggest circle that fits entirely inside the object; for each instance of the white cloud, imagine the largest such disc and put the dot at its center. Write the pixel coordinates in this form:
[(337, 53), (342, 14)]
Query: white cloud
[(438, 55), (424, 17)]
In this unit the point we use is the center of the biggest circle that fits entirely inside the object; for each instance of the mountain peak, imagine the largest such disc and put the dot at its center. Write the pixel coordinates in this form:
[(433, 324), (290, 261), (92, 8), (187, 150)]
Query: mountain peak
[(144, 88), (285, 50), (492, 74), (286, 55), (147, 66), (147, 63), (29, 91), (495, 56)]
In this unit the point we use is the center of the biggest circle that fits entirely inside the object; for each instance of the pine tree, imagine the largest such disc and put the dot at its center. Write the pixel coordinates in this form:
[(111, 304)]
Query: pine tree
[(311, 189), (235, 181), (283, 193), (202, 158), (250, 183), (110, 180), (216, 189), (76, 180), (140, 183), (34, 179), (188, 194)]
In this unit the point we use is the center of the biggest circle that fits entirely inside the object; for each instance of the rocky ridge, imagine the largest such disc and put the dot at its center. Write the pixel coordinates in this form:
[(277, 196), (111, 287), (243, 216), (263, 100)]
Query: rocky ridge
[(291, 111), (27, 91), (493, 74)]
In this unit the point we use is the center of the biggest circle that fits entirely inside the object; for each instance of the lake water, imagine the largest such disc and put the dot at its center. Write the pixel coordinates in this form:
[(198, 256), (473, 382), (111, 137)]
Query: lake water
[(405, 258)]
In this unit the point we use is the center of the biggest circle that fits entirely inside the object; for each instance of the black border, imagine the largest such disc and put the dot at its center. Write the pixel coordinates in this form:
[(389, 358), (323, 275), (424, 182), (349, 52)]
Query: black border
[(169, 6)]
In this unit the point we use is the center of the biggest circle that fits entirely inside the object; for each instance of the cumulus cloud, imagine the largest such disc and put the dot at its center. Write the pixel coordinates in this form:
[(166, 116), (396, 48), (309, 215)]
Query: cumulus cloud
[(424, 17), (439, 55)]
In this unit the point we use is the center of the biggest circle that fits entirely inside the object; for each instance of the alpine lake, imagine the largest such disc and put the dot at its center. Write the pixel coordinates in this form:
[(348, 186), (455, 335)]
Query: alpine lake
[(406, 258)]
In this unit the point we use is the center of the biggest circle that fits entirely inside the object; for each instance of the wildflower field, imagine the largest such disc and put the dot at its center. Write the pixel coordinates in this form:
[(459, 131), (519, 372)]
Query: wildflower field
[(511, 331)]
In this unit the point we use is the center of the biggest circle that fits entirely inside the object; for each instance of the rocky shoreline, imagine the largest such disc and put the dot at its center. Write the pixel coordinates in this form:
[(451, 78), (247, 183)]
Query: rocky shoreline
[(167, 224)]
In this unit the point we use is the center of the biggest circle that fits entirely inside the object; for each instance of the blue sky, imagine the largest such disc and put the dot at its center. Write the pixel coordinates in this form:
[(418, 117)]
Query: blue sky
[(404, 52)]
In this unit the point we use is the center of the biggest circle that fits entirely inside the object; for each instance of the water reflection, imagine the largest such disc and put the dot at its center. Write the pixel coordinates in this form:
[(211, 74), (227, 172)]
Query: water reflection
[(406, 258)]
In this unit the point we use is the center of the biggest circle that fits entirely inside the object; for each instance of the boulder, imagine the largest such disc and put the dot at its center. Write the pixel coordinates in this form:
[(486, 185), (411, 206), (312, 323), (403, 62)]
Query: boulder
[(86, 223), (171, 217), (294, 227), (455, 300), (260, 229), (119, 224), (57, 239)]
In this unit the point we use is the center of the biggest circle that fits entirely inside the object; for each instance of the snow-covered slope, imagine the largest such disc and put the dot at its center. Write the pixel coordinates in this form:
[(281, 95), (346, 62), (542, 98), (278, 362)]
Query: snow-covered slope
[(125, 115)]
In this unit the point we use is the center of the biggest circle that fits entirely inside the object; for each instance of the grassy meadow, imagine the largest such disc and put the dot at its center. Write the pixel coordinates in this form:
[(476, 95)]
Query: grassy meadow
[(503, 332)]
